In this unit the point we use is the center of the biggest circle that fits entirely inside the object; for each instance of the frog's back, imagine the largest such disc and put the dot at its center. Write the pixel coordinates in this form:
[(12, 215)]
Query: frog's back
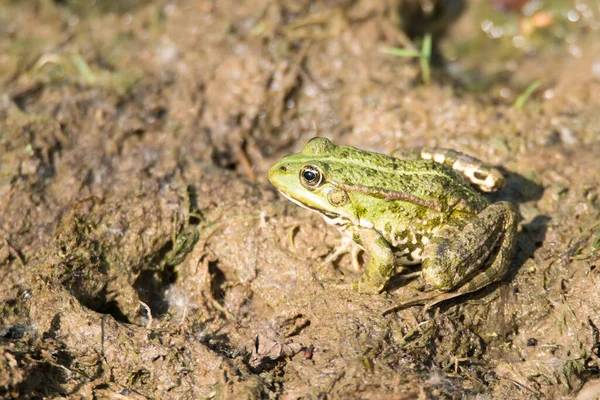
[(391, 178)]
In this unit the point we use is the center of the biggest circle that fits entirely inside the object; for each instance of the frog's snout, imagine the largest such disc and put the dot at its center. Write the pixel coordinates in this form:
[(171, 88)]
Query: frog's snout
[(272, 172), (276, 172)]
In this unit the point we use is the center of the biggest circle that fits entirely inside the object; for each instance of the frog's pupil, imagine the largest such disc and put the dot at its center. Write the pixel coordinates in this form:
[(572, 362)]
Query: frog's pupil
[(310, 176)]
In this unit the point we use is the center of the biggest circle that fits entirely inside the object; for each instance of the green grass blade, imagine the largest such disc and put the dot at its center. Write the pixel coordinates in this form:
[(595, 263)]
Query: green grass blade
[(425, 58), (398, 52), (523, 97)]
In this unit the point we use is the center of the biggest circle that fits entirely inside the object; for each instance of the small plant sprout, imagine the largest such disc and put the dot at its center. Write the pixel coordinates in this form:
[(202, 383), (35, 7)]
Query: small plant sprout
[(523, 97), (424, 56)]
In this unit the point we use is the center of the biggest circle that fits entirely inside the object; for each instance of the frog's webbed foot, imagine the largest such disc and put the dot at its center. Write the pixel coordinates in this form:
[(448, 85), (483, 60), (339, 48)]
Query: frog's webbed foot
[(364, 286), (417, 301), (427, 300), (346, 246)]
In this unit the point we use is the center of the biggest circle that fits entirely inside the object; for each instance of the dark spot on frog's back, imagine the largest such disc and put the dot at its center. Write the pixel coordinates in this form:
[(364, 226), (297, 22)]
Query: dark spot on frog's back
[(394, 208), (391, 166), (343, 154), (480, 175), (388, 228), (360, 211), (370, 172)]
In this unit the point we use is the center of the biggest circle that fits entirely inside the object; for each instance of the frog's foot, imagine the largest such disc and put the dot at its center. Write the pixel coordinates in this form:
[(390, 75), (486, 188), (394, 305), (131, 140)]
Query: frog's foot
[(365, 286), (346, 246), (417, 301), (428, 300)]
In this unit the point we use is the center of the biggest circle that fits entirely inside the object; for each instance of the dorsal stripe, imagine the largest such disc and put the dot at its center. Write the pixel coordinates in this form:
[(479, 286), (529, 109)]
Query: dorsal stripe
[(391, 195)]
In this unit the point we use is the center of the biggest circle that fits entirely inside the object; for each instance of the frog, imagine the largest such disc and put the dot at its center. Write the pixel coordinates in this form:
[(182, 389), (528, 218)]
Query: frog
[(417, 206)]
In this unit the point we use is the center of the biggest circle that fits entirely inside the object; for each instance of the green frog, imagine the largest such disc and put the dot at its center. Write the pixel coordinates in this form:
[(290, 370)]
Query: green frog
[(418, 206)]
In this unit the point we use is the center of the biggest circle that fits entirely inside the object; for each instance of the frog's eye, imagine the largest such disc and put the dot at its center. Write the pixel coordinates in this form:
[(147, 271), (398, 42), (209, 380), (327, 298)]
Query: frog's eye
[(311, 177)]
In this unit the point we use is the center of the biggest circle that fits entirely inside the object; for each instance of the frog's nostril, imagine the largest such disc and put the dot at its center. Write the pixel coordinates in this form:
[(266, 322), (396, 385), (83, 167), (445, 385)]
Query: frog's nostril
[(283, 168)]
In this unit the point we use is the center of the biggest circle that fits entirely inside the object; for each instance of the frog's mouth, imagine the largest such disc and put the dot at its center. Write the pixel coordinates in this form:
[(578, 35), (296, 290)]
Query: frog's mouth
[(328, 214)]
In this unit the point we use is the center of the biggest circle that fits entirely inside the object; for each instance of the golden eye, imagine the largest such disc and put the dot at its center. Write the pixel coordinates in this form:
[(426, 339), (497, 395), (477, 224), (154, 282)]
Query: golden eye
[(311, 177)]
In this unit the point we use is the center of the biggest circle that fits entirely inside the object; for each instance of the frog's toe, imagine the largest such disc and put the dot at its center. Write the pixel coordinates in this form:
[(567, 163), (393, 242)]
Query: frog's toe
[(346, 246), (406, 304), (440, 298), (364, 286), (428, 300)]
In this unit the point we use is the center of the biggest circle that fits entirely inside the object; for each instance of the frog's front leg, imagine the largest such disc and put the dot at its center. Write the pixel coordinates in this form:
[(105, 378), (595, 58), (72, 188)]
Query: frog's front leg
[(463, 261), (381, 265)]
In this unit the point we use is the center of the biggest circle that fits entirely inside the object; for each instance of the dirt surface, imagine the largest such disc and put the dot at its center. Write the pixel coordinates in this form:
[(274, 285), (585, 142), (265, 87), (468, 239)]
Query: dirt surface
[(144, 254)]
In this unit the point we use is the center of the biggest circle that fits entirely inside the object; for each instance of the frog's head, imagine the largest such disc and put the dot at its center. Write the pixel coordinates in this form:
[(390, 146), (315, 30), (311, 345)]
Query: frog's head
[(303, 178)]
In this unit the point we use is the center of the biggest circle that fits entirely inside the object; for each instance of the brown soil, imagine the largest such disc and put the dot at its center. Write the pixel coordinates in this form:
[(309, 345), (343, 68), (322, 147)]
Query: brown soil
[(144, 254)]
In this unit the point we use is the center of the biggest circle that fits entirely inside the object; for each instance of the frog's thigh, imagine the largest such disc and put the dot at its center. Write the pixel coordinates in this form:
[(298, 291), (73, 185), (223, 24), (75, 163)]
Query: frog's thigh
[(477, 255), (487, 179), (381, 260)]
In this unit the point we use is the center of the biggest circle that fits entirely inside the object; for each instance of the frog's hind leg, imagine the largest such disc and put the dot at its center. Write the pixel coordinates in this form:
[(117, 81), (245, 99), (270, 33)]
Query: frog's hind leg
[(486, 178), (453, 263)]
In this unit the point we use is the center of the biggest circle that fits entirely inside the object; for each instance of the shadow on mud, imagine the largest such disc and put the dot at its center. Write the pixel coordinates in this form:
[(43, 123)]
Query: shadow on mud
[(521, 190)]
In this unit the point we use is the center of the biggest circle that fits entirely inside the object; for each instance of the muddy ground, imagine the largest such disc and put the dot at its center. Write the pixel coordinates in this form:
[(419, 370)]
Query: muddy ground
[(144, 254)]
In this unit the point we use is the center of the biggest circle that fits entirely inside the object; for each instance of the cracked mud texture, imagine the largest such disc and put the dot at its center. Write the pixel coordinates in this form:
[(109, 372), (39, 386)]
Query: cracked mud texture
[(143, 252)]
